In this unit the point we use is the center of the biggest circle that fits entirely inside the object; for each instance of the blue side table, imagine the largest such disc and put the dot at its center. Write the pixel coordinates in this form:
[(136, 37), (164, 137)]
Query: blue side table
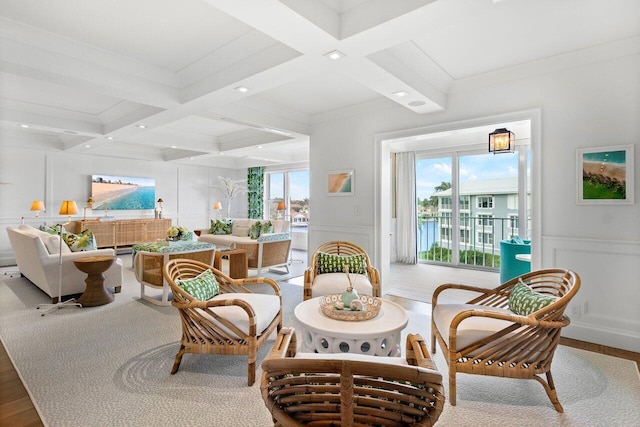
[(511, 267)]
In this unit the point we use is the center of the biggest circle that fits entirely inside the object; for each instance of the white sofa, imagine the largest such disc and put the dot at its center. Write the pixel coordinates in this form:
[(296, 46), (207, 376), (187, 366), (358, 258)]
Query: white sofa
[(268, 250), (37, 257)]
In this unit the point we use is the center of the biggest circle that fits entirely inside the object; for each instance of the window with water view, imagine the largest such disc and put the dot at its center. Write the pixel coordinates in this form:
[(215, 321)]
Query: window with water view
[(467, 231)]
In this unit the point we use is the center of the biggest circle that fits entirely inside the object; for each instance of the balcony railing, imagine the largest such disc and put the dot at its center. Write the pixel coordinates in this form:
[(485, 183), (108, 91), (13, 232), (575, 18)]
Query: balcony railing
[(479, 239)]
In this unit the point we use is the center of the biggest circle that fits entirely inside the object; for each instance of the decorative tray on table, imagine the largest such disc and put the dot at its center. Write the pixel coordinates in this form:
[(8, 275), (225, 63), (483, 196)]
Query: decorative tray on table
[(330, 309)]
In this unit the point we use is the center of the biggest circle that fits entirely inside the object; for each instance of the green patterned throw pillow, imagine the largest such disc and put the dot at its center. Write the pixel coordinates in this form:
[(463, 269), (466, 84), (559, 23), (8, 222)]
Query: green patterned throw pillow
[(329, 263), (524, 301), (202, 287), (220, 226), (84, 241), (254, 231), (266, 228)]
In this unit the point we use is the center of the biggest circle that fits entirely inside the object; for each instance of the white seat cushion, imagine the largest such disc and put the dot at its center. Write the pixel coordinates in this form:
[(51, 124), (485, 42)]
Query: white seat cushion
[(266, 308), (336, 283), (471, 329)]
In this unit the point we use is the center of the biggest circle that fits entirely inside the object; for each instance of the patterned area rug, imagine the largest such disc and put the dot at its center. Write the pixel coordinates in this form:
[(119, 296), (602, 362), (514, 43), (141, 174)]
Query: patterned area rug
[(109, 365)]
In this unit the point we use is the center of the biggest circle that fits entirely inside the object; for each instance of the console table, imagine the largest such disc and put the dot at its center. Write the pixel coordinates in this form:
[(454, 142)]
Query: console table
[(124, 232)]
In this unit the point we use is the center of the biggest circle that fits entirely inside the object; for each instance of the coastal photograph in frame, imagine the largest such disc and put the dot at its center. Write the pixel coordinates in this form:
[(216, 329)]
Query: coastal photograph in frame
[(340, 183), (605, 175)]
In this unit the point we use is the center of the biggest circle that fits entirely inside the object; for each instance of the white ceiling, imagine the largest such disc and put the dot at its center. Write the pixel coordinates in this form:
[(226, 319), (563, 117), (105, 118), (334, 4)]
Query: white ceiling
[(79, 71)]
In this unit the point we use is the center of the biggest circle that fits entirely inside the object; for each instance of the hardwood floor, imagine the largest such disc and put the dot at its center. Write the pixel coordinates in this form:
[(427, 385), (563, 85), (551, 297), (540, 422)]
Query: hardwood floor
[(16, 408)]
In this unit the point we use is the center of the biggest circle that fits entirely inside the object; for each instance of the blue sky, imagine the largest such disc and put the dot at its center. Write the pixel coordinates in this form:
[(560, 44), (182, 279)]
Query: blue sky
[(298, 185), (432, 172)]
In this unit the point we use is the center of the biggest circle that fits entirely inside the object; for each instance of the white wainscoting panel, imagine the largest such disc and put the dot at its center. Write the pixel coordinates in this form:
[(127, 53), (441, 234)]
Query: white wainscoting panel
[(606, 309), (360, 235)]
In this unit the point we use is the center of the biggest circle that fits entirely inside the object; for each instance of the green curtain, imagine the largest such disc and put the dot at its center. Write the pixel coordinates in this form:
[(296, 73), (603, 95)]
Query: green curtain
[(255, 191)]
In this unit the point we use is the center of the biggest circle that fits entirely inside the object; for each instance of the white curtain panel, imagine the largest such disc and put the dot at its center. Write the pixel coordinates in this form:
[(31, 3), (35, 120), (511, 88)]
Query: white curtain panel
[(406, 207)]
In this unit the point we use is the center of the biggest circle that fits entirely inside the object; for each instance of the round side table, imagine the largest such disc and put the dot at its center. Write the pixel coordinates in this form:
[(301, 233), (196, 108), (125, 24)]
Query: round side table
[(379, 336), (95, 294)]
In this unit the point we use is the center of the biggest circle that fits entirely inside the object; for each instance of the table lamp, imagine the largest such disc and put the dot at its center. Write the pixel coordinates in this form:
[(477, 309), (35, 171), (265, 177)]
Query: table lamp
[(280, 208), (217, 206), (89, 206), (68, 208), (160, 202), (37, 206)]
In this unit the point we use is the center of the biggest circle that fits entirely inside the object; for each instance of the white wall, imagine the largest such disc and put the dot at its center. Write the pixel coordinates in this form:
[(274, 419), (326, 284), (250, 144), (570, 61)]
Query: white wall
[(594, 105), (188, 191)]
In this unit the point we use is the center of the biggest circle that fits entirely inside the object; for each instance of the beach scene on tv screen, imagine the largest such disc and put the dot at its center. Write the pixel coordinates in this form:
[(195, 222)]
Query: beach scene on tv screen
[(122, 192)]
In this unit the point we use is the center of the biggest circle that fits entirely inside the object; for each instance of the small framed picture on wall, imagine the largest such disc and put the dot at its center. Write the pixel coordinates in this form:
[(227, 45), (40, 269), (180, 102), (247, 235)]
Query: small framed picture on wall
[(604, 175), (341, 182)]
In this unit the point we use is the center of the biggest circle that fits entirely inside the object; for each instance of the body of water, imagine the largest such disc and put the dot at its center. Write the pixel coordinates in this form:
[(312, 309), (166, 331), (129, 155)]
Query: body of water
[(140, 198), (428, 234), (606, 156)]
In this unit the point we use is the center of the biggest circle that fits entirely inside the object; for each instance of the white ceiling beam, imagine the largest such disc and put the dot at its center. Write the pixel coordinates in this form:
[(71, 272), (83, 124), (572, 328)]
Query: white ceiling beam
[(318, 13), (418, 88), (246, 68), (279, 21), (35, 63), (386, 83), (46, 122)]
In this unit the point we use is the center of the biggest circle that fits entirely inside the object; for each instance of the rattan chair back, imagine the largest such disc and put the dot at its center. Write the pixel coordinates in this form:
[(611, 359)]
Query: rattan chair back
[(300, 389), (202, 335), (341, 248)]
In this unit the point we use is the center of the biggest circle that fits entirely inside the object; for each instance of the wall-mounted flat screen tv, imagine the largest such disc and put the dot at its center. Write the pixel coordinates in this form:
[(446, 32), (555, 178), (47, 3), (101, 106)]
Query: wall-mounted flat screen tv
[(122, 192)]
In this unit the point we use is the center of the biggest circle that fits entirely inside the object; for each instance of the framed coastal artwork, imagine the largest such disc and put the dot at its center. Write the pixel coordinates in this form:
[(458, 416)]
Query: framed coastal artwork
[(340, 183), (605, 175)]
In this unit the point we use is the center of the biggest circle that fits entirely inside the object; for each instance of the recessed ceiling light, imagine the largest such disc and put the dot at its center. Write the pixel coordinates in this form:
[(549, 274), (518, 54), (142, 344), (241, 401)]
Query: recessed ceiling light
[(110, 138), (334, 54), (221, 154), (173, 146), (141, 126), (190, 158), (416, 103), (22, 125), (242, 89), (259, 146), (87, 146), (401, 93)]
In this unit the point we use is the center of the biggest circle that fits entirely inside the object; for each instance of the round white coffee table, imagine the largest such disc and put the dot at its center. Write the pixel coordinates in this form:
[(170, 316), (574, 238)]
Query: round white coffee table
[(379, 336)]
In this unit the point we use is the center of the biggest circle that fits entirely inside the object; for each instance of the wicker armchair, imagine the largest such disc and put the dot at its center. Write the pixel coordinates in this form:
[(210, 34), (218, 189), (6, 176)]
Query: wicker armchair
[(484, 337), (348, 390), (235, 322), (337, 282)]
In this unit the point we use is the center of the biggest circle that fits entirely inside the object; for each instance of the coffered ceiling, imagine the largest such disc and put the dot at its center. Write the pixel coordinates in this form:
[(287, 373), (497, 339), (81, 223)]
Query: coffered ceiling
[(84, 75)]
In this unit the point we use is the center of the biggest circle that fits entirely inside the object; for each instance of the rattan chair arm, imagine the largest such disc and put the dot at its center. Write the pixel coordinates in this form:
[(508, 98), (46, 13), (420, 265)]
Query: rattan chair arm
[(514, 318), (257, 281), (285, 344), (216, 303), (448, 286), (417, 353)]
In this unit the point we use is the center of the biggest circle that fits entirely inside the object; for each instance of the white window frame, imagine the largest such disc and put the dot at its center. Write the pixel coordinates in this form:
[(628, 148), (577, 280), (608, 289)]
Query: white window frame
[(491, 202)]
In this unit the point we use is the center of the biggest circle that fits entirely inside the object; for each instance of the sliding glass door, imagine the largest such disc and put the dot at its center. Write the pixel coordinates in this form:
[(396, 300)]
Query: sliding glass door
[(467, 202)]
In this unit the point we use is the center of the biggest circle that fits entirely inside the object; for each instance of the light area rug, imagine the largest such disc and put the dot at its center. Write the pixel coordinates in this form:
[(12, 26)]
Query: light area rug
[(109, 366)]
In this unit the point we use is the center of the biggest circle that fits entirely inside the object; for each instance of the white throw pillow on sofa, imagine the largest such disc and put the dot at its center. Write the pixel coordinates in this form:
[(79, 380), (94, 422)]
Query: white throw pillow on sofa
[(52, 243)]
